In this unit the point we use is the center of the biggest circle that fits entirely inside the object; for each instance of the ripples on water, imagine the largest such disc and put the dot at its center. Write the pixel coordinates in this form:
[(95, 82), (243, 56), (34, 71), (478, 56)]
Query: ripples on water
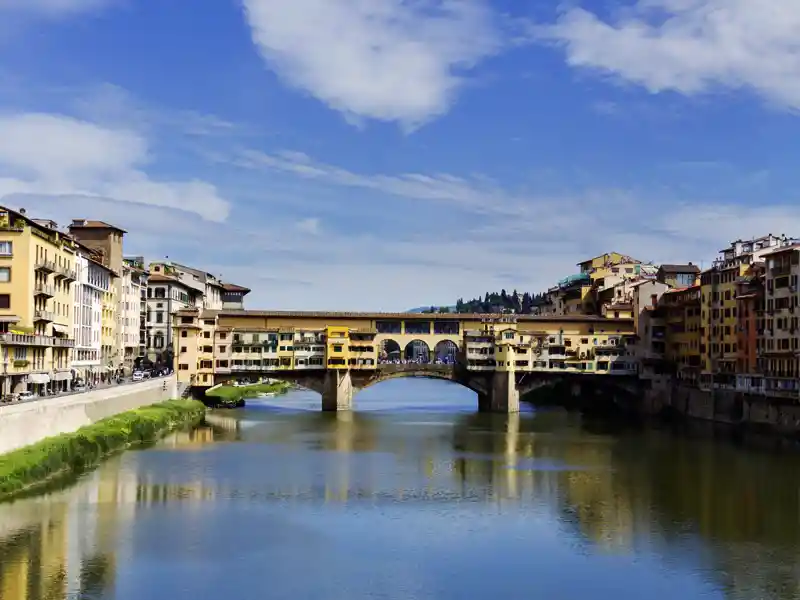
[(412, 496)]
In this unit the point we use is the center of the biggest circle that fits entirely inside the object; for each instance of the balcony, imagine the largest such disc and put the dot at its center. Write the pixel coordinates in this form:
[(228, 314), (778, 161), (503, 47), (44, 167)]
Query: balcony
[(16, 339), (66, 273), (44, 290), (44, 315), (45, 266)]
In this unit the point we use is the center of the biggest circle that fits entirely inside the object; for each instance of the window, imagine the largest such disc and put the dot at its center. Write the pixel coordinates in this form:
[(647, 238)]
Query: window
[(5, 274), (184, 333), (5, 301), (6, 248)]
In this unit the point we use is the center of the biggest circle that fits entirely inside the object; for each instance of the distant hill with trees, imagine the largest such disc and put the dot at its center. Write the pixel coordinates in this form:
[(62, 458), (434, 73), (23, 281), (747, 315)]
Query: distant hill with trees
[(502, 302)]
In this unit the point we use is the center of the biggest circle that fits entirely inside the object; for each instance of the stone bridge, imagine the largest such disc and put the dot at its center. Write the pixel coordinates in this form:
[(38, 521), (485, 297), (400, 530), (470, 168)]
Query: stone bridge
[(497, 391)]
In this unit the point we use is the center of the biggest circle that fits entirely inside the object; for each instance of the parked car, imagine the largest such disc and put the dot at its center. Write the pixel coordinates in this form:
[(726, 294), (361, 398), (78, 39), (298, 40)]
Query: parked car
[(79, 388), (26, 395), (137, 376)]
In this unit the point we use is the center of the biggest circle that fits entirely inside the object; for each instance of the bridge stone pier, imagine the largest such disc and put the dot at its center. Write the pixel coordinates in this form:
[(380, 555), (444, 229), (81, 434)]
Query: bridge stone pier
[(337, 391)]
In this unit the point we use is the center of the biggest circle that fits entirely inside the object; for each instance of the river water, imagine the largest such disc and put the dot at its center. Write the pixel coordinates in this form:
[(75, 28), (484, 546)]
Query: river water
[(413, 496)]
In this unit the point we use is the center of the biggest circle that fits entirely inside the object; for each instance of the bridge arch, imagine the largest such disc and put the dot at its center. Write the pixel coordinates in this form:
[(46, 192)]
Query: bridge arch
[(417, 351), (441, 372), (446, 351), (390, 351)]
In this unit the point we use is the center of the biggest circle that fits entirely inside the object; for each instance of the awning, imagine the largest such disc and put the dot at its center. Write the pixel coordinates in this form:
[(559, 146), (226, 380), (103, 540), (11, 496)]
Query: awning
[(9, 319), (63, 376), (62, 329), (39, 378)]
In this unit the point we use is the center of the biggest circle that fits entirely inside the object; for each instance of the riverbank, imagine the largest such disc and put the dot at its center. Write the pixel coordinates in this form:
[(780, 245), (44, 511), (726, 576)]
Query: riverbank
[(230, 396), (35, 466)]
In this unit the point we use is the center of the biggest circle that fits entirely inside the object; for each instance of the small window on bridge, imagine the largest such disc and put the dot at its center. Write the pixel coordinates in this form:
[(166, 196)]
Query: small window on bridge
[(337, 348)]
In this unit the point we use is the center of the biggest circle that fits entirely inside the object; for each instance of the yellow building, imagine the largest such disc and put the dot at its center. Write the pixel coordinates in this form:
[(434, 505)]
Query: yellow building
[(37, 273), (604, 260), (108, 336)]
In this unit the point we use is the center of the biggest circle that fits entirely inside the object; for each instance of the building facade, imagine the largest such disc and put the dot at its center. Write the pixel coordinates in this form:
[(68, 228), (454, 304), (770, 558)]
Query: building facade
[(94, 282), (779, 331), (132, 305), (166, 295), (719, 310), (683, 324), (749, 308), (233, 296), (106, 241), (37, 273)]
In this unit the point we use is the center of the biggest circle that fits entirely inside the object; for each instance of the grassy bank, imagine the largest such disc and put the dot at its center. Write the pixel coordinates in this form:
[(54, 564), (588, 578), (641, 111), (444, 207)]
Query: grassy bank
[(70, 453), (229, 395)]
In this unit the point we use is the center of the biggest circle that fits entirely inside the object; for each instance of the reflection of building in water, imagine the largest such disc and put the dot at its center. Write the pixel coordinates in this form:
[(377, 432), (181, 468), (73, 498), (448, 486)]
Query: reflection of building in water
[(194, 439), (32, 561)]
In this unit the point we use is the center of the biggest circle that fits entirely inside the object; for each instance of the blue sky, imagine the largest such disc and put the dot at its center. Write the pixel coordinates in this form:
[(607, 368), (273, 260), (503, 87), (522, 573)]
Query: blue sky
[(382, 154)]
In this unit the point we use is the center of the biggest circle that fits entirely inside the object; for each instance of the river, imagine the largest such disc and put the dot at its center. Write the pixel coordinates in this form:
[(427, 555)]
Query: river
[(413, 496)]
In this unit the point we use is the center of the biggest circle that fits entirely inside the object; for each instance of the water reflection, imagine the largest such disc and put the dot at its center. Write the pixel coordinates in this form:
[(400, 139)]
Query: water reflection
[(386, 498)]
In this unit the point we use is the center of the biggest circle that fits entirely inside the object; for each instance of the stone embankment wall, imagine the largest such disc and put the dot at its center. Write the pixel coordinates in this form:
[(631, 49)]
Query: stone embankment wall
[(781, 416), (29, 422)]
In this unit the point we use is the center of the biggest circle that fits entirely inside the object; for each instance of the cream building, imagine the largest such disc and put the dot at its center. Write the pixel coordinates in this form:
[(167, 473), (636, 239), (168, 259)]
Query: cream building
[(94, 283), (132, 304)]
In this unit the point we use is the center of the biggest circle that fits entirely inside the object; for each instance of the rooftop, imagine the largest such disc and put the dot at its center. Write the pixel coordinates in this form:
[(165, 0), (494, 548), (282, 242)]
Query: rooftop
[(683, 289), (688, 268), (93, 224), (230, 287), (394, 315), (788, 248)]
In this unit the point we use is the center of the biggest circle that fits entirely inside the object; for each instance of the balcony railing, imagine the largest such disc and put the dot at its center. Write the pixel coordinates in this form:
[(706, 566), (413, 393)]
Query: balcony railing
[(66, 273), (16, 339), (42, 289), (44, 315), (45, 266)]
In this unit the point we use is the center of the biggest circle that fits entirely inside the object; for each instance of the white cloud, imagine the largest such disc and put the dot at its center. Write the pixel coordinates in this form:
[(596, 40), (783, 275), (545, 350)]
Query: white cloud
[(59, 155), (389, 60), (690, 46)]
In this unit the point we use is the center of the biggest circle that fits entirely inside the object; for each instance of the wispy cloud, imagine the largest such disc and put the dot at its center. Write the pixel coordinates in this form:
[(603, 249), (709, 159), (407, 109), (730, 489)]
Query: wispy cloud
[(691, 46), (63, 156), (378, 59)]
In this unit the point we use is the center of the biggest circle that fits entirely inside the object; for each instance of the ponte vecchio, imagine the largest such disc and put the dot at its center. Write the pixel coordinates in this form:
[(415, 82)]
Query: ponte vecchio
[(499, 357)]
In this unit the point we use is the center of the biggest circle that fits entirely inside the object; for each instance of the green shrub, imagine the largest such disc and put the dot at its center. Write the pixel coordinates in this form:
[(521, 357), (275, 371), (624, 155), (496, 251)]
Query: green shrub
[(229, 395), (75, 452)]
